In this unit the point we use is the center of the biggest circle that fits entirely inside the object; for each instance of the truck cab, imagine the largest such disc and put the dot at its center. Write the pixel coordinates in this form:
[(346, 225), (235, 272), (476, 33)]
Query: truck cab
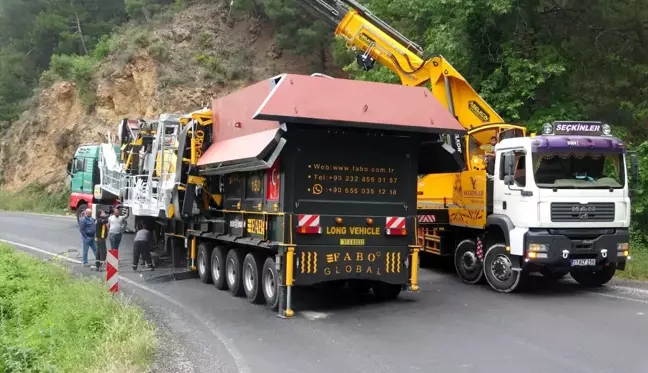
[(562, 202), (85, 178)]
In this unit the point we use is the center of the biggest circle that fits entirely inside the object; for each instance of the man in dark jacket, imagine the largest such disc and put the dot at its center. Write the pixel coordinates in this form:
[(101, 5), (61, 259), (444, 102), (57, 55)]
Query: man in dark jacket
[(88, 229), (142, 244), (100, 237)]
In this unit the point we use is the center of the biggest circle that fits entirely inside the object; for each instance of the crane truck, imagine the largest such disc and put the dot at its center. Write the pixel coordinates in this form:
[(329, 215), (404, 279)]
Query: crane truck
[(293, 181), (492, 229)]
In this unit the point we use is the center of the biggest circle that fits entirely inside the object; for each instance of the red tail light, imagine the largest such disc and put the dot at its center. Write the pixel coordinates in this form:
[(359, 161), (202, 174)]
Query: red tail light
[(395, 226), (309, 224)]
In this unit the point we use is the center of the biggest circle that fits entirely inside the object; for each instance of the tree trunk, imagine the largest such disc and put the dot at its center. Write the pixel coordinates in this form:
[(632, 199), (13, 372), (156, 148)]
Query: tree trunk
[(78, 24)]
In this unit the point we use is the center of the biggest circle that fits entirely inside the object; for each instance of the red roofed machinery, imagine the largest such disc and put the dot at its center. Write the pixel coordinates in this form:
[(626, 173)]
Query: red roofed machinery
[(294, 181)]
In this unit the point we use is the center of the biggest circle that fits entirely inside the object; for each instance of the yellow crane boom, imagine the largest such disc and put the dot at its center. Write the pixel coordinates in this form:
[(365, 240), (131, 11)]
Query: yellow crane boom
[(379, 42)]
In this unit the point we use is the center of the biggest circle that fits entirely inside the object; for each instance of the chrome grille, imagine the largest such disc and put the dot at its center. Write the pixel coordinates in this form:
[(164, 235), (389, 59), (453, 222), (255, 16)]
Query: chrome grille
[(584, 213)]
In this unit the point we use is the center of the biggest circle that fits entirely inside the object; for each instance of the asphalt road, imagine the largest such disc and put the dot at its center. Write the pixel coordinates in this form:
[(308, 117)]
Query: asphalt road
[(447, 327)]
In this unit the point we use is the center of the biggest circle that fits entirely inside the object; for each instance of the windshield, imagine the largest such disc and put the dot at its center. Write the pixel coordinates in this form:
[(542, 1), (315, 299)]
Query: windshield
[(576, 171)]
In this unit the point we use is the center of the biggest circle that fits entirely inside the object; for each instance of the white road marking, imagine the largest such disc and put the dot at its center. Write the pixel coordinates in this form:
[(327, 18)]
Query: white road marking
[(312, 315), (241, 365)]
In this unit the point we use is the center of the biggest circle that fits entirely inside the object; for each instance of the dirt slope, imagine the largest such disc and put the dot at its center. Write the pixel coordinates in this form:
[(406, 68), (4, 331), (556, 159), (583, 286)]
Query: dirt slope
[(173, 65)]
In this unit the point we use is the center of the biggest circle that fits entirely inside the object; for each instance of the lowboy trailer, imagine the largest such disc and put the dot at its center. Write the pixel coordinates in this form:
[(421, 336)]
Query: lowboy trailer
[(293, 181)]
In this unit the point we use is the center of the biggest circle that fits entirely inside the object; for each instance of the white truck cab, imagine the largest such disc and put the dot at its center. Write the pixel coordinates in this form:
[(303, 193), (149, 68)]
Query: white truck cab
[(564, 199)]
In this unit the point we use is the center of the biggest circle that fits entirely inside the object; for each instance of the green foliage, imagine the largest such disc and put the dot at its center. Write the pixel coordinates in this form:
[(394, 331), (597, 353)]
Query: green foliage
[(146, 9), (50, 322), (35, 198)]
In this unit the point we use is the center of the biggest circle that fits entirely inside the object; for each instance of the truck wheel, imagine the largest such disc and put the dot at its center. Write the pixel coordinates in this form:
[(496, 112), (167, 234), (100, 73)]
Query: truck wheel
[(359, 286), (270, 283), (466, 262), (385, 291), (499, 272), (252, 269), (233, 269), (217, 267), (203, 259), (595, 278), (80, 211)]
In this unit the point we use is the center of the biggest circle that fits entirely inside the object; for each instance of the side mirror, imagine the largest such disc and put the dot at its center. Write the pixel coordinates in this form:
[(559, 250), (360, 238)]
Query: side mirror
[(509, 168), (69, 166)]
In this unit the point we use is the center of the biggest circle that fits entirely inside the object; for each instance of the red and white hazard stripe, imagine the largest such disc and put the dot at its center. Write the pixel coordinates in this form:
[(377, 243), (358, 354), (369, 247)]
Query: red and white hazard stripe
[(426, 218), (112, 264), (395, 226), (308, 224)]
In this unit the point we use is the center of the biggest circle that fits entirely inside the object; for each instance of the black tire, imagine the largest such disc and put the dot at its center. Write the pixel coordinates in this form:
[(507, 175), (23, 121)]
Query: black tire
[(218, 267), (203, 262), (251, 276), (385, 292), (498, 272), (359, 286), (467, 264), (79, 212), (233, 268), (595, 278), (554, 274), (270, 283)]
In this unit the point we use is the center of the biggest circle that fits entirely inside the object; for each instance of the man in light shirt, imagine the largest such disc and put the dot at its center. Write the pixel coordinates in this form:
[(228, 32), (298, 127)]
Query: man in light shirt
[(115, 230)]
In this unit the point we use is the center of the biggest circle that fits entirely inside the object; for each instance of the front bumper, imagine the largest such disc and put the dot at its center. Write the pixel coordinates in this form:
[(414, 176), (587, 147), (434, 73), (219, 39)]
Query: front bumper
[(561, 246)]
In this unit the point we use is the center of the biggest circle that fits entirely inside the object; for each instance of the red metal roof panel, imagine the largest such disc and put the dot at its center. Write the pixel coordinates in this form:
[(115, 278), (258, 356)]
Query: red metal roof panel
[(239, 148), (322, 100)]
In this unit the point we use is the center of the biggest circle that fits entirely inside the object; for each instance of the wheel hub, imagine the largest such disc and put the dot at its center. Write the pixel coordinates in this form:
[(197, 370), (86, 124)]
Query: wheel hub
[(216, 270), (231, 272), (269, 283), (469, 261), (202, 264), (501, 268), (248, 276)]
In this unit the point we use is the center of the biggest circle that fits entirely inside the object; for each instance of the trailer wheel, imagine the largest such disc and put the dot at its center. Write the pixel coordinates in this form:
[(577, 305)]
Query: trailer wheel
[(466, 262), (203, 260), (233, 269), (270, 283), (385, 291), (252, 269), (595, 278), (498, 270), (80, 211), (217, 267)]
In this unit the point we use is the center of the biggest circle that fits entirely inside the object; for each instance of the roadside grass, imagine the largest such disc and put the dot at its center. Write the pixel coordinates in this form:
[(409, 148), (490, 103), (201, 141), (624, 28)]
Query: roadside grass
[(637, 268), (53, 322), (35, 198)]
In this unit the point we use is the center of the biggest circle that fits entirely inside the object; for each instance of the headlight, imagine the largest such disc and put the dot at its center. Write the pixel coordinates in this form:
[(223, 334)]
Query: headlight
[(607, 130), (537, 247), (622, 246), (547, 129)]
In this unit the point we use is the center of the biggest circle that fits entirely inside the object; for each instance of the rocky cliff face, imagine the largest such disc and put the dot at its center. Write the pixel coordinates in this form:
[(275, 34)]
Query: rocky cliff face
[(176, 67)]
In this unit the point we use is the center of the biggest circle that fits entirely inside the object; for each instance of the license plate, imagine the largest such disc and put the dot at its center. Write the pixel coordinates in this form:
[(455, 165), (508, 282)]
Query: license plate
[(583, 262), (352, 242)]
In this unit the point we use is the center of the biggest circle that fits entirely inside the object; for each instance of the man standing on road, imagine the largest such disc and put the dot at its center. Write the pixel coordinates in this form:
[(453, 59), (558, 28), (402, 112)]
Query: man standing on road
[(115, 223), (142, 246), (88, 230), (100, 237)]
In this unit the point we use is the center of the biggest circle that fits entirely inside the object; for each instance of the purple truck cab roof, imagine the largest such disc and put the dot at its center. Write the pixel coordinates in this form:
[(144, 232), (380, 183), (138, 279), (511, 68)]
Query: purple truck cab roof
[(589, 144)]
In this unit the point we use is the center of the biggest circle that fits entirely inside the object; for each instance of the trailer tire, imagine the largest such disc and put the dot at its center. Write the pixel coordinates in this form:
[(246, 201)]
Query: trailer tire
[(270, 283), (80, 211), (233, 269), (385, 292), (203, 260), (467, 264), (498, 270), (252, 269), (595, 278), (218, 267)]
